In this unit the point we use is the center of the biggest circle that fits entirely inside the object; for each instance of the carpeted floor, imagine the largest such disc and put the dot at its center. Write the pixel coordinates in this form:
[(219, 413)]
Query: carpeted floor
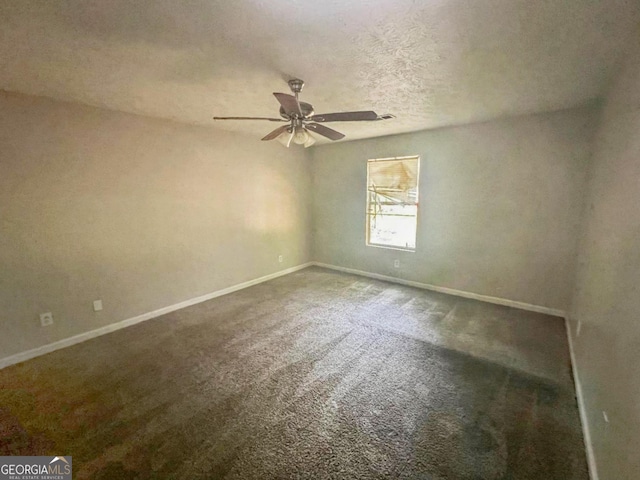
[(314, 375)]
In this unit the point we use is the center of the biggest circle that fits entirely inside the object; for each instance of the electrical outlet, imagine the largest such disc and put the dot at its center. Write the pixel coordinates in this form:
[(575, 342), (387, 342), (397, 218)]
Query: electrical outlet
[(396, 263), (97, 305), (280, 258), (46, 319)]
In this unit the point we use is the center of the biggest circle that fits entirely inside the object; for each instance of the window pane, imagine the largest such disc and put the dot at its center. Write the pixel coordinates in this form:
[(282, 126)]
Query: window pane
[(394, 225)]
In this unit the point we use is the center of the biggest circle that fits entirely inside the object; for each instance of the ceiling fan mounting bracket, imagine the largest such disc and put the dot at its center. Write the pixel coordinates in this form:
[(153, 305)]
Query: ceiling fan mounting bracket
[(295, 84)]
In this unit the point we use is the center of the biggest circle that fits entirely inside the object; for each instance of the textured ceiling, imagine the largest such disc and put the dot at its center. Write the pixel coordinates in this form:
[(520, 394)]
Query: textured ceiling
[(431, 63)]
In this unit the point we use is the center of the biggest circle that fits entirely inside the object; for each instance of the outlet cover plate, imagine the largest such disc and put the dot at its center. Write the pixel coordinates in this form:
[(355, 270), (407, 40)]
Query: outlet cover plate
[(46, 319)]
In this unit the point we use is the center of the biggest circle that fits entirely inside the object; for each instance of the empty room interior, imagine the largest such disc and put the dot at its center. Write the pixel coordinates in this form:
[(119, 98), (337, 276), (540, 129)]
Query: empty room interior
[(322, 240)]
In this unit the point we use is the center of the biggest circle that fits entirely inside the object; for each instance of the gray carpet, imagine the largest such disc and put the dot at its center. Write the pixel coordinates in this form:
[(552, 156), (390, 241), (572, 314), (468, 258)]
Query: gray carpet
[(314, 375)]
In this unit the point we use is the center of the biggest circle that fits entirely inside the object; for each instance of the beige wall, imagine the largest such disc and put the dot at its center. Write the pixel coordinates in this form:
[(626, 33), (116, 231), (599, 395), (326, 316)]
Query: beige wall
[(607, 295), (499, 205), (138, 212)]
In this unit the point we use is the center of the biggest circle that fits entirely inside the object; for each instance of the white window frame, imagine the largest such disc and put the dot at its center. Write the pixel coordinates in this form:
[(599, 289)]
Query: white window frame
[(367, 234)]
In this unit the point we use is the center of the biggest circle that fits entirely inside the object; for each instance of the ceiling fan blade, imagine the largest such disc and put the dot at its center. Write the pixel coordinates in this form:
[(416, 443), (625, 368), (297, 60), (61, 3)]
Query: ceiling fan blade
[(276, 132), (251, 118), (346, 117), (324, 131), (289, 103)]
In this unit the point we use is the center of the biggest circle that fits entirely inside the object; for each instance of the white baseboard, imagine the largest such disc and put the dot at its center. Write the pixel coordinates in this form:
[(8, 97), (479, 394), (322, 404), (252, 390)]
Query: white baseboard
[(450, 291), (82, 337), (586, 433)]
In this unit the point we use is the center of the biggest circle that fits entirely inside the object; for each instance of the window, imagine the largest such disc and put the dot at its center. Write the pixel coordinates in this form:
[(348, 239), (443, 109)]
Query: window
[(392, 202)]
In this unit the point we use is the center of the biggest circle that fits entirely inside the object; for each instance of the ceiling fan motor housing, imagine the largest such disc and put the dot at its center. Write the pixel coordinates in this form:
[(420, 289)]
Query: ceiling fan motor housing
[(307, 111)]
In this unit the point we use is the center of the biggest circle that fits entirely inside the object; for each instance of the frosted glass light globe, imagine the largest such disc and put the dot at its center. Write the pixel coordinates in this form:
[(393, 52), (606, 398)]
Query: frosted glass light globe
[(300, 136)]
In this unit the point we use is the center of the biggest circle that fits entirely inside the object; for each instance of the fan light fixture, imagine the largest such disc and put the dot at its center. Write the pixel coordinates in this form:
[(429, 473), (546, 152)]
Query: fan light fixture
[(299, 136), (285, 138), (310, 140)]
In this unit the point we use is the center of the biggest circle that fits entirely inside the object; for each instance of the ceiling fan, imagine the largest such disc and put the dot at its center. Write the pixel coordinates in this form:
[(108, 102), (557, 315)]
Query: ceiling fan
[(301, 120)]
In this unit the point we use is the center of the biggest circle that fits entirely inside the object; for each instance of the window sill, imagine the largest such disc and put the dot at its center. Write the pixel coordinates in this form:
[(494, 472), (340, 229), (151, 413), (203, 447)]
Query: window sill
[(390, 247)]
